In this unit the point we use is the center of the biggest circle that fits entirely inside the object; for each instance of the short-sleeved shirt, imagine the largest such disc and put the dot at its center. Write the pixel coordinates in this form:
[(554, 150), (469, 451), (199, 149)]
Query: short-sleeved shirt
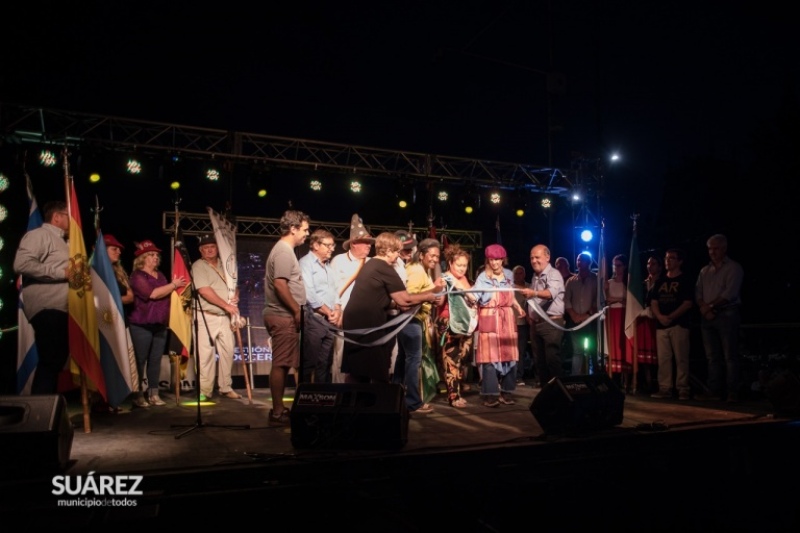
[(670, 293), (282, 263), (146, 311), (206, 275)]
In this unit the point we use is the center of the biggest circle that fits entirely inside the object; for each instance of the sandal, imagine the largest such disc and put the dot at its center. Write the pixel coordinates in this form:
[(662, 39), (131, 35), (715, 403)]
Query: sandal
[(458, 402), (280, 420), (491, 402), (506, 400)]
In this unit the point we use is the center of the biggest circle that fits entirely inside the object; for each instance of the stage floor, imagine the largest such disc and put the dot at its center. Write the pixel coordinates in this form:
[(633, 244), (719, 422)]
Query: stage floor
[(481, 468)]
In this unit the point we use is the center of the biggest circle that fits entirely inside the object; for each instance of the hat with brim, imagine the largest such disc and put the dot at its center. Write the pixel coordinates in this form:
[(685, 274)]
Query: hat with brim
[(358, 233), (407, 241), (207, 239), (145, 247), (110, 240)]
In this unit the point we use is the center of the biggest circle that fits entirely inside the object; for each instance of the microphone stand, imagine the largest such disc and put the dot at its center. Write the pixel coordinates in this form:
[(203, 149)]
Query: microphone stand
[(197, 310)]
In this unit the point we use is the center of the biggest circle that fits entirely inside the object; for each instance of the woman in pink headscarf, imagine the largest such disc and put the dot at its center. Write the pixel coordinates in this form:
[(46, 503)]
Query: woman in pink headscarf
[(496, 352)]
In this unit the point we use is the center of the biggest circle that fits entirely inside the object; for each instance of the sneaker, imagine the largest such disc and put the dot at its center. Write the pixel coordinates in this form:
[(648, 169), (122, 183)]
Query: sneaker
[(662, 395), (281, 420), (684, 395), (156, 400), (424, 409), (139, 401)]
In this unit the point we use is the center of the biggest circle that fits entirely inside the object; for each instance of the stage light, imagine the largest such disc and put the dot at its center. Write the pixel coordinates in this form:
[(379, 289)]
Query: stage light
[(494, 197), (2, 243), (471, 201), (4, 183), (405, 194), (47, 158), (262, 193), (133, 166), (94, 177), (3, 213), (316, 185), (442, 196), (355, 186), (587, 235), (547, 203), (175, 185), (212, 174)]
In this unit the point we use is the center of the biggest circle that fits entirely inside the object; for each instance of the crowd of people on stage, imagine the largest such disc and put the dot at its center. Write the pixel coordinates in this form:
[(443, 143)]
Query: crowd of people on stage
[(391, 309)]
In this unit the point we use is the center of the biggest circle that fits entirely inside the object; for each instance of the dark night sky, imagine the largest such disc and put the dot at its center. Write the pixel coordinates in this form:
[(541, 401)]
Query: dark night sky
[(660, 83)]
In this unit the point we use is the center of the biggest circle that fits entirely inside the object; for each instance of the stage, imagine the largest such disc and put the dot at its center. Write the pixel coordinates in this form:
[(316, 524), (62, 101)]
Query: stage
[(669, 465)]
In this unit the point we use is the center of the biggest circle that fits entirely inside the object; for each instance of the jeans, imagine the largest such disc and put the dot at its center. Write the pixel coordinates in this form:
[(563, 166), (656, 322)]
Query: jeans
[(149, 344), (317, 349), (409, 359), (721, 344), (492, 383)]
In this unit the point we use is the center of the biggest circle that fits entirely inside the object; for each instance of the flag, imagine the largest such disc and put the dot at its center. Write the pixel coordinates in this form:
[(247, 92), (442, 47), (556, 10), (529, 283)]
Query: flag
[(84, 337), (180, 313), (27, 356), (225, 233), (110, 316), (633, 302)]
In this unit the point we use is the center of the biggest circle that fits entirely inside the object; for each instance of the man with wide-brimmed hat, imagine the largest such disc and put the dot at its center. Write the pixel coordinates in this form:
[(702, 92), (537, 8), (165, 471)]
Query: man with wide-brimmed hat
[(214, 326), (346, 267)]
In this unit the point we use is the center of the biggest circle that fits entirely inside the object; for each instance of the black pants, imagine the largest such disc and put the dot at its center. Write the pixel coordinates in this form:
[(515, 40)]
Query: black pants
[(50, 329)]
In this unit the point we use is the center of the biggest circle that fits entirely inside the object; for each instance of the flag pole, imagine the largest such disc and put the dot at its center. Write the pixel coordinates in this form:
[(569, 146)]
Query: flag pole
[(175, 360), (635, 351), (87, 420)]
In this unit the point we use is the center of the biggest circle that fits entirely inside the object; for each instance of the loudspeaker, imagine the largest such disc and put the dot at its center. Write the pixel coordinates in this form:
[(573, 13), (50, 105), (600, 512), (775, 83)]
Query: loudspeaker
[(578, 404), (349, 416), (35, 433), (783, 391)]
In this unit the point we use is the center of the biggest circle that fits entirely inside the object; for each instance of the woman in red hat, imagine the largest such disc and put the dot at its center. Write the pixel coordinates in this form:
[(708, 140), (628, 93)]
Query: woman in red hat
[(496, 352), (150, 317)]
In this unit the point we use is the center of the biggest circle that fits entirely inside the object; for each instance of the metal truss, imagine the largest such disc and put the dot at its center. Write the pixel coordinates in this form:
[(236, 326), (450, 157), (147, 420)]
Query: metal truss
[(25, 124), (192, 224)]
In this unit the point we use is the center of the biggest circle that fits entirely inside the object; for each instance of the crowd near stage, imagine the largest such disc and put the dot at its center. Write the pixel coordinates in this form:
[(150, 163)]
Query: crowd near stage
[(577, 456)]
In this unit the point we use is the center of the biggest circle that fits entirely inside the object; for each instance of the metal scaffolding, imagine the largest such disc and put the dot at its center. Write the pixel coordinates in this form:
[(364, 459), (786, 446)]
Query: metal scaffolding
[(26, 124), (192, 224)]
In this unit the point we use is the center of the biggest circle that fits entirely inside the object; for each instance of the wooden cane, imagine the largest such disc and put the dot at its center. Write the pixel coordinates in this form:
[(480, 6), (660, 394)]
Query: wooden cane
[(244, 366)]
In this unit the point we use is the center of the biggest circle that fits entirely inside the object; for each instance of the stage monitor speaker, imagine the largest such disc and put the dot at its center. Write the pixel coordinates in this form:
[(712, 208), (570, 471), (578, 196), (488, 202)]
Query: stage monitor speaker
[(578, 404), (783, 391), (349, 416), (35, 433)]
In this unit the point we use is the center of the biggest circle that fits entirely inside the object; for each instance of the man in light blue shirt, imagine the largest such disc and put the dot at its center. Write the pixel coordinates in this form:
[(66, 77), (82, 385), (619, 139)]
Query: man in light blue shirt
[(323, 310)]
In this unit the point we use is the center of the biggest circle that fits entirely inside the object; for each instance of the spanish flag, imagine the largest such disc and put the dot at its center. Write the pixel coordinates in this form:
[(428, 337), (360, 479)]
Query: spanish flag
[(84, 336)]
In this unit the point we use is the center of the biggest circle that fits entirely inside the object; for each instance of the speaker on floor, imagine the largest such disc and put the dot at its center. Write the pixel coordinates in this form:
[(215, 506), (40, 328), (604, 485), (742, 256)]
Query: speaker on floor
[(578, 404), (349, 416), (783, 391), (35, 433)]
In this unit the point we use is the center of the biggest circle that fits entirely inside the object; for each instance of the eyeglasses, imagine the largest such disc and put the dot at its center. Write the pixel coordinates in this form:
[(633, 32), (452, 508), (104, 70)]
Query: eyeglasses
[(328, 244)]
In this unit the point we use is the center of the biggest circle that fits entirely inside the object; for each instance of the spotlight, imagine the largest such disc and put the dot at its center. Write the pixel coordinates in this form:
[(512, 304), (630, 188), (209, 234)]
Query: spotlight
[(586, 235), (442, 196), (262, 193), (4, 183), (212, 174), (47, 158), (175, 185), (133, 166), (355, 186), (405, 194), (471, 201), (494, 197), (316, 185), (547, 203), (94, 177)]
